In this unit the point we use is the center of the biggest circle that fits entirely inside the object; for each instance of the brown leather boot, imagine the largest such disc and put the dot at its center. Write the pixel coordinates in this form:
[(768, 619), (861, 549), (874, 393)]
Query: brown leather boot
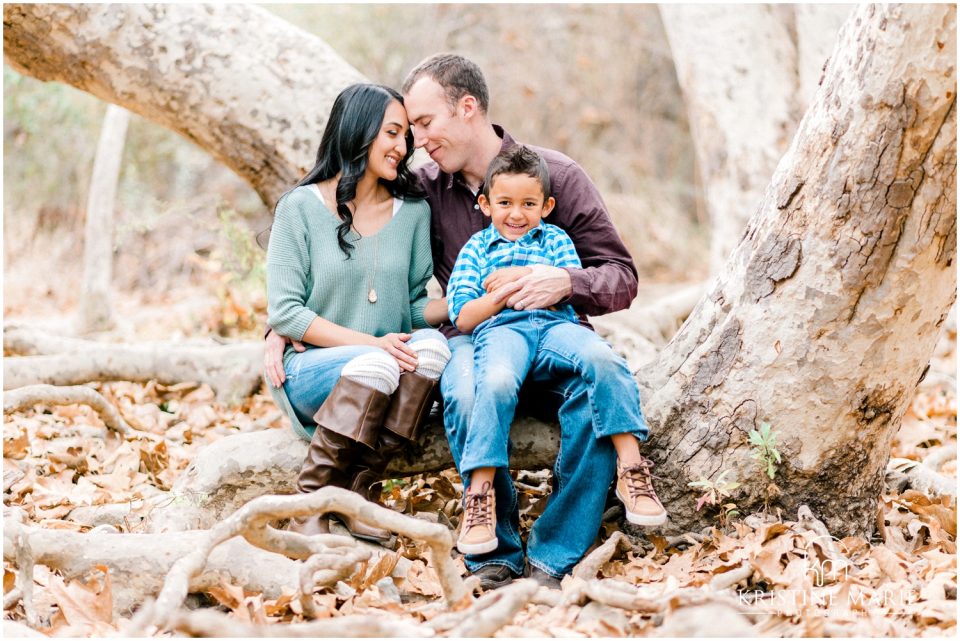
[(409, 407), (367, 484), (410, 404), (351, 414)]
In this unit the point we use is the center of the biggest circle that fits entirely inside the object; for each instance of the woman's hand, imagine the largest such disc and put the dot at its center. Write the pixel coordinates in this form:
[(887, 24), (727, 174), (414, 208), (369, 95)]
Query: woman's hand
[(396, 345), (273, 357), (503, 276)]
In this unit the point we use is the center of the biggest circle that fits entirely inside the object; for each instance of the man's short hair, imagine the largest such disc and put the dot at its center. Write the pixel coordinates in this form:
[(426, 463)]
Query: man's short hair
[(518, 159), (457, 75)]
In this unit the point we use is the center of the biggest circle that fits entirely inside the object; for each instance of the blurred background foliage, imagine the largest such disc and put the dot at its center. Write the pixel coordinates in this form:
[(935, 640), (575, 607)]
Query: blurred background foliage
[(594, 81)]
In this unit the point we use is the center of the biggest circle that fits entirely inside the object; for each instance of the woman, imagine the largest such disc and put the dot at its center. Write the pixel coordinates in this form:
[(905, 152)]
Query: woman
[(347, 268)]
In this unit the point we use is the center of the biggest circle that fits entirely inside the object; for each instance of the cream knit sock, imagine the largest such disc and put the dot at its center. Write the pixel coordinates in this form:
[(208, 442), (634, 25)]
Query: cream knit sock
[(432, 357), (378, 370)]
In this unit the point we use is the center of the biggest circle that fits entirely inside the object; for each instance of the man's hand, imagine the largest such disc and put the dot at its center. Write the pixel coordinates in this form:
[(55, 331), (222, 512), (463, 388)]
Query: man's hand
[(273, 357), (503, 276), (544, 286)]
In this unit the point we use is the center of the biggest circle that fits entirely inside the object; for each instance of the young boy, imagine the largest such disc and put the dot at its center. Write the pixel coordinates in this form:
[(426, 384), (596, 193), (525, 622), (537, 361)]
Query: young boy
[(509, 343)]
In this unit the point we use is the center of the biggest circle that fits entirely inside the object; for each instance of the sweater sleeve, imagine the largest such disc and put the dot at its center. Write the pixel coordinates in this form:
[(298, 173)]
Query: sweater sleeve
[(607, 281), (288, 270), (421, 269)]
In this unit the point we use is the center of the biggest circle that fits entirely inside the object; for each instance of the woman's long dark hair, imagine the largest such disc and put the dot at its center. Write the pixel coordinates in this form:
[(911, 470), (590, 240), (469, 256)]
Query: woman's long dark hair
[(353, 125)]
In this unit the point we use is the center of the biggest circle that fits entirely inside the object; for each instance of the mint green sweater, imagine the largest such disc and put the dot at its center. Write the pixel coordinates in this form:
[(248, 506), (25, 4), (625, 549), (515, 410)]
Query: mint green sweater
[(308, 275)]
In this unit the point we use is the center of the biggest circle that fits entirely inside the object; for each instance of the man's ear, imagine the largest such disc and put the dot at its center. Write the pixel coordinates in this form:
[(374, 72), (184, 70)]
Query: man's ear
[(548, 207), (468, 106), (484, 205)]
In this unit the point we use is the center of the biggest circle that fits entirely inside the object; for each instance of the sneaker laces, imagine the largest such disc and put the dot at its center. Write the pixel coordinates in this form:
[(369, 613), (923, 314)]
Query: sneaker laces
[(476, 508), (639, 480)]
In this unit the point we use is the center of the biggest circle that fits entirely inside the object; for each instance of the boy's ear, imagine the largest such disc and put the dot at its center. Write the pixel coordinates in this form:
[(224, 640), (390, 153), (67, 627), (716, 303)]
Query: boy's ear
[(548, 207), (484, 205)]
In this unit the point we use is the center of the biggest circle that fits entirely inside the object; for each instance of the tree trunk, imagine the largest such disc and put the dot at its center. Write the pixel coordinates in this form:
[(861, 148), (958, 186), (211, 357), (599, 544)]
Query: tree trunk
[(738, 73), (824, 317), (95, 310), (817, 323), (246, 86)]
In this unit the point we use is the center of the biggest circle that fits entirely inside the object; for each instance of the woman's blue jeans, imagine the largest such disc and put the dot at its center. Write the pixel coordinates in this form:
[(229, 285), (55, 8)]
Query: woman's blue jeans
[(312, 374), (597, 397)]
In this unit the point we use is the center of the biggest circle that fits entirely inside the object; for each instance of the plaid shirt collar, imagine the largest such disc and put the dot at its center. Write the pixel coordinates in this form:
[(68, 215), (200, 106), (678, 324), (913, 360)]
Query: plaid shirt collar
[(492, 237)]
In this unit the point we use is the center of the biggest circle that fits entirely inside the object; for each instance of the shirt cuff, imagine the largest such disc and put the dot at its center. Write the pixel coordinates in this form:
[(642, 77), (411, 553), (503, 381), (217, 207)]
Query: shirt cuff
[(416, 313), (579, 287)]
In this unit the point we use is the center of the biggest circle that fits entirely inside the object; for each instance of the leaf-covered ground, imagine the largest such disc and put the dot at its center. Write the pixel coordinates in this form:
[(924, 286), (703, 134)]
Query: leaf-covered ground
[(902, 582)]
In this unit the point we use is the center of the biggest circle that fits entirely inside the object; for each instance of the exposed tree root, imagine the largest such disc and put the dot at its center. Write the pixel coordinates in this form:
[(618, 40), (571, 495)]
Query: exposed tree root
[(138, 563), (12, 597), (209, 623), (252, 522), (922, 476), (940, 456), (494, 610), (732, 577), (609, 592), (25, 562), (29, 341), (25, 397), (590, 566), (232, 371)]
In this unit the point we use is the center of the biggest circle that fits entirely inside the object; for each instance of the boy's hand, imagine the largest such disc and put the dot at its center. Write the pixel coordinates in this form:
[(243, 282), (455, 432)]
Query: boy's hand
[(503, 276)]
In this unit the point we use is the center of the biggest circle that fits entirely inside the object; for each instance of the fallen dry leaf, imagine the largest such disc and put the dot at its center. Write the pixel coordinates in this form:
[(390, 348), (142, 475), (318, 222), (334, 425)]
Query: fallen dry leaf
[(84, 603), (16, 442), (422, 579)]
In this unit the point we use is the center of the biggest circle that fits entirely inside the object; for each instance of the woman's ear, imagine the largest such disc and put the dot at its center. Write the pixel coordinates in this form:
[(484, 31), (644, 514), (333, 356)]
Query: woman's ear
[(484, 205)]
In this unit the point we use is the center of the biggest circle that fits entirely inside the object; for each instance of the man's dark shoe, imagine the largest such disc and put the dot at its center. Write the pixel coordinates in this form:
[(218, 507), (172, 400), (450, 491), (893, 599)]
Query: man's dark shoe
[(494, 576), (542, 578)]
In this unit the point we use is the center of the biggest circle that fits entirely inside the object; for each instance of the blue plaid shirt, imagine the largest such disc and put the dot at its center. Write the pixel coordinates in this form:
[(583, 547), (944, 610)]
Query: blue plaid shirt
[(488, 251)]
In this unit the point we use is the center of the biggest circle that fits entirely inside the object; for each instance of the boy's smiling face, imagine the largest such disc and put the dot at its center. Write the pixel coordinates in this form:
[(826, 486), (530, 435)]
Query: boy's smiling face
[(516, 204)]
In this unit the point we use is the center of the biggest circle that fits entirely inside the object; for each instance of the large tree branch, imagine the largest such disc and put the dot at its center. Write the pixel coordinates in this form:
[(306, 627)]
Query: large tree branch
[(265, 127)]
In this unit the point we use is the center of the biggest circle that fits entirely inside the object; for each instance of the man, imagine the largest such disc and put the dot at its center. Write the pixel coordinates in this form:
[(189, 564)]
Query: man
[(447, 102), (447, 99)]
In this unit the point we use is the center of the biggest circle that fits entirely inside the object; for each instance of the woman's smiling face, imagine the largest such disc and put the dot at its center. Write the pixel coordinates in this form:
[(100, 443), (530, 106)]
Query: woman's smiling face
[(388, 149)]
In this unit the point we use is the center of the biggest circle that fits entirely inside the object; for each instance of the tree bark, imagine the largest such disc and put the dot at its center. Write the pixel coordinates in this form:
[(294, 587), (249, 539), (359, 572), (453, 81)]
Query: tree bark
[(244, 85), (824, 317), (95, 310)]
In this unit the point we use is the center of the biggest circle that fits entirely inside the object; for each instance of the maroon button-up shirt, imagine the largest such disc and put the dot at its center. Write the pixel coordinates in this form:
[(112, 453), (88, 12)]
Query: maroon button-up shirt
[(608, 280)]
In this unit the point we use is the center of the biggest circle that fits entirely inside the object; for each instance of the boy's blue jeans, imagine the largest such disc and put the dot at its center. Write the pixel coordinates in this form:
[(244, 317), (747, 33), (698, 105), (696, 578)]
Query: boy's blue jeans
[(597, 397)]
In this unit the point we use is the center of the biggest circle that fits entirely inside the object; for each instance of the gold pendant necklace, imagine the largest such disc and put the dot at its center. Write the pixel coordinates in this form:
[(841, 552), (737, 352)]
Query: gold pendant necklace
[(371, 273)]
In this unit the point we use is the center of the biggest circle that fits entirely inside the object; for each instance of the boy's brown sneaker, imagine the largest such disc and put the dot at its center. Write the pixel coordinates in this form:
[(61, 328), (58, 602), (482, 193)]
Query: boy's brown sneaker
[(635, 489), (478, 533)]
